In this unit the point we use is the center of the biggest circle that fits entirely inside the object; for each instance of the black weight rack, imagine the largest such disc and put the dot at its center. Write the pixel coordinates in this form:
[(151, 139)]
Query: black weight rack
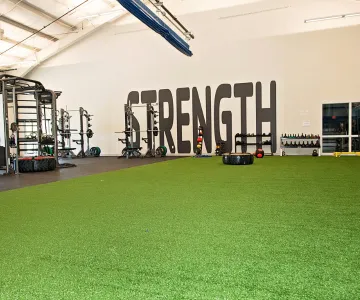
[(257, 140)]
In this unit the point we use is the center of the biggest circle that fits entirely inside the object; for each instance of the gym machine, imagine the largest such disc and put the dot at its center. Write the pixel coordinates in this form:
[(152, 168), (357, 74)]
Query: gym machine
[(85, 133), (132, 151), (27, 127), (64, 128), (85, 130)]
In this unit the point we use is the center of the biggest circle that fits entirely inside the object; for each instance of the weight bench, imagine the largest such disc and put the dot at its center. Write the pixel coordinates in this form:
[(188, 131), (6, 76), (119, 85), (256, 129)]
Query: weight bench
[(66, 152), (129, 152)]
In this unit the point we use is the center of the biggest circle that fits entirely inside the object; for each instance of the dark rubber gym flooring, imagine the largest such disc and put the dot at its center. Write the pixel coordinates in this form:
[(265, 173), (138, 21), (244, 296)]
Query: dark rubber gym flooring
[(84, 167)]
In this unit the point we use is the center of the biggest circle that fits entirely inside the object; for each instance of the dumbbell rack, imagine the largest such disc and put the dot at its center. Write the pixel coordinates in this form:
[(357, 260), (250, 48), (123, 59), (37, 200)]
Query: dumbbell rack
[(241, 140), (295, 145)]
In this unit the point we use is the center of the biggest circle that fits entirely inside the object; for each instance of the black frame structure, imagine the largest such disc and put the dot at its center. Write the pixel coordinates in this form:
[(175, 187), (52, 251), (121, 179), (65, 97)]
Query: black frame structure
[(132, 148), (28, 100)]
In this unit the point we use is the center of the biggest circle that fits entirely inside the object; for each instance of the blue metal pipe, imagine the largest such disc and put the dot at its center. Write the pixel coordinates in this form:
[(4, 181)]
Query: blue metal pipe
[(149, 18)]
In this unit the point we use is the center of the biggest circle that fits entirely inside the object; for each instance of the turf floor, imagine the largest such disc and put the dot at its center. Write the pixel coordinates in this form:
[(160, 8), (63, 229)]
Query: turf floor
[(283, 228)]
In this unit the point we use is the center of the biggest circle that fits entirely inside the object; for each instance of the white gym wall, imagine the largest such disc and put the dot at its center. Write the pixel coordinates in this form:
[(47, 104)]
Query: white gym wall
[(309, 69)]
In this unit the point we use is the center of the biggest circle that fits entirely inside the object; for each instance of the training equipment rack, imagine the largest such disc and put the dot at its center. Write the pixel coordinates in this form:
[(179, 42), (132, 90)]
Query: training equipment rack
[(242, 140), (64, 128), (300, 144), (132, 149), (29, 117), (200, 142), (85, 132)]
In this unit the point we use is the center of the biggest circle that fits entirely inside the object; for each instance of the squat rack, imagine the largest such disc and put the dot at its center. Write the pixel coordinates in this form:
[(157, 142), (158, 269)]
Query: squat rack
[(66, 131), (152, 131)]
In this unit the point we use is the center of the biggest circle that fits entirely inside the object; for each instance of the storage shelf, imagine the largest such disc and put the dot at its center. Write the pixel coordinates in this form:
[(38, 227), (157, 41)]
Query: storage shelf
[(259, 144), (253, 144), (25, 140), (299, 139), (27, 120), (312, 147), (249, 136)]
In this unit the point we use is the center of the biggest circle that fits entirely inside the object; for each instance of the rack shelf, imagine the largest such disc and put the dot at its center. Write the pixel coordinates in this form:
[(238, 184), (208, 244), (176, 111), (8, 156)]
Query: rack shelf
[(25, 140), (297, 139), (254, 144), (253, 135), (296, 145), (244, 145)]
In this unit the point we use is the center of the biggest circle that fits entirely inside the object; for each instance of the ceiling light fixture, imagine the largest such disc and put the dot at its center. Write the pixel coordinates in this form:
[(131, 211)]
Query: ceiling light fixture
[(324, 19), (333, 17), (254, 12), (18, 63), (352, 15)]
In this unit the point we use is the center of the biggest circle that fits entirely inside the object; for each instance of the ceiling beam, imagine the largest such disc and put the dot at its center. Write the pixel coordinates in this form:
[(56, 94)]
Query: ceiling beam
[(13, 56), (27, 28), (25, 46), (40, 12), (66, 42)]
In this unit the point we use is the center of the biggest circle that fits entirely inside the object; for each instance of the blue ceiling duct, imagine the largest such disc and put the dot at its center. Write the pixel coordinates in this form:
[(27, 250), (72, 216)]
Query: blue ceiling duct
[(149, 18)]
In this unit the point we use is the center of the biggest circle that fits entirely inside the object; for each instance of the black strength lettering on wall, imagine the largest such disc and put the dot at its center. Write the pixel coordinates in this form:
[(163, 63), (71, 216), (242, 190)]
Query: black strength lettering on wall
[(202, 114)]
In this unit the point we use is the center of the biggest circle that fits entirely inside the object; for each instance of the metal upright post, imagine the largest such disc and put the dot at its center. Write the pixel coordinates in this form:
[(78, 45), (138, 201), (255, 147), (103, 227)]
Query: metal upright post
[(68, 117), (87, 116), (39, 123), (6, 127), (131, 128), (17, 131), (54, 126), (149, 127), (81, 111), (62, 129)]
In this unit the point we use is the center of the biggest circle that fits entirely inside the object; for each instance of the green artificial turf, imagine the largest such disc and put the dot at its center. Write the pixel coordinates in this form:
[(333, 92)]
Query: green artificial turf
[(283, 228)]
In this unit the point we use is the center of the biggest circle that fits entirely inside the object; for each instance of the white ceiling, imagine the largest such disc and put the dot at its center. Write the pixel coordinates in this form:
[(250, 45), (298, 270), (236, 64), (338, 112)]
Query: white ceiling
[(35, 14)]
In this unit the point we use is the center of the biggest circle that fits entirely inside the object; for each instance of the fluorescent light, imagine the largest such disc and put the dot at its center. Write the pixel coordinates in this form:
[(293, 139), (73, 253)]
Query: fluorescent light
[(352, 15), (333, 17), (102, 14), (325, 18), (17, 63)]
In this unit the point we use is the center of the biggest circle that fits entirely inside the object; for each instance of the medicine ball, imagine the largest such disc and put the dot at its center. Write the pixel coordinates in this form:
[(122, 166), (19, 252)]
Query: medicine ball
[(259, 153)]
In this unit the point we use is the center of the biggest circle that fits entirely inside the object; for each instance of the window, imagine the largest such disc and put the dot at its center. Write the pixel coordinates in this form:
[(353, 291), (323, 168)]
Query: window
[(341, 127), (355, 122), (355, 147), (336, 119), (330, 145)]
